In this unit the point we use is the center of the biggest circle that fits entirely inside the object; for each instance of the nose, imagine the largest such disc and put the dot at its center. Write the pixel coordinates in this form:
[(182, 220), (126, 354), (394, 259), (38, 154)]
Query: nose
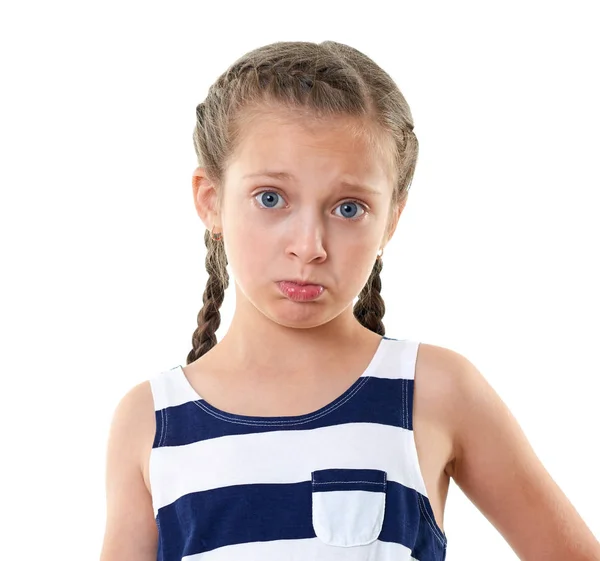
[(305, 240)]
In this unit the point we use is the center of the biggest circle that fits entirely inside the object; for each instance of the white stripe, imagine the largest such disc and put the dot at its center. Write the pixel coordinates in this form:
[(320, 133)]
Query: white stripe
[(282, 457), (301, 550), (169, 391)]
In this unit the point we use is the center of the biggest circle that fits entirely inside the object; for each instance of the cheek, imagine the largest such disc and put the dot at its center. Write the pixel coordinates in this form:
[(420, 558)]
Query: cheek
[(354, 248), (353, 261), (249, 253), (356, 271)]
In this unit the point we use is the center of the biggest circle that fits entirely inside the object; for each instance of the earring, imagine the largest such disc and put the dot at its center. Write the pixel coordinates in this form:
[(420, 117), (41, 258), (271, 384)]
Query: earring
[(380, 255), (219, 235)]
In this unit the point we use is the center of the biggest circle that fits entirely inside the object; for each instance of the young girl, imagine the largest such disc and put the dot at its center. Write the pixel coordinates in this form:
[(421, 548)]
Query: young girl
[(306, 433)]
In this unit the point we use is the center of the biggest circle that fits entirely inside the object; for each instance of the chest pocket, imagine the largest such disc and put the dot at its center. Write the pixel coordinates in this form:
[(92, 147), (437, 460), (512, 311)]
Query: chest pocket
[(348, 505)]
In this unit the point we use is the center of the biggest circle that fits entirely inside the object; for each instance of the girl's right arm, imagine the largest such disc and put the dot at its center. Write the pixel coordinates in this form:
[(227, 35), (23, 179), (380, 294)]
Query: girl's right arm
[(131, 533)]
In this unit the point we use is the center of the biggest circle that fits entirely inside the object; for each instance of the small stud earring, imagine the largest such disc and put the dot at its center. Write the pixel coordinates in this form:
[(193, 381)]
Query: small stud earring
[(380, 255)]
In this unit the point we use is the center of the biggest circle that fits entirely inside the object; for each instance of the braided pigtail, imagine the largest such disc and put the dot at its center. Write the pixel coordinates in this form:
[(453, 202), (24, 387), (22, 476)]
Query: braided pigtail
[(209, 317), (370, 308)]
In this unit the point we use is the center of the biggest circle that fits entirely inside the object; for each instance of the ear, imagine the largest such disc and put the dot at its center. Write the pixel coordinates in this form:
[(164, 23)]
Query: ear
[(205, 199), (394, 221)]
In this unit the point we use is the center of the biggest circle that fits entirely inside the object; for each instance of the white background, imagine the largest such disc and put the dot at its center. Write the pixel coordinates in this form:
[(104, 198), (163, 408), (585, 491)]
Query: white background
[(495, 256)]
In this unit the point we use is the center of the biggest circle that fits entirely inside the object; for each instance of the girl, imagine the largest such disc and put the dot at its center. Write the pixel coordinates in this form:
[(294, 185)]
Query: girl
[(304, 434)]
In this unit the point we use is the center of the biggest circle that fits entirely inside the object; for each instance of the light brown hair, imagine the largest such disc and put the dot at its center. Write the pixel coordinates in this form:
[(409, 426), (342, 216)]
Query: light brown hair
[(320, 79)]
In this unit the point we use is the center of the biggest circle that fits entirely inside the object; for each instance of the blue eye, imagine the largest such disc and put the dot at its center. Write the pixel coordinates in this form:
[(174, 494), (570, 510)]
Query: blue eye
[(348, 207), (271, 195), (268, 199)]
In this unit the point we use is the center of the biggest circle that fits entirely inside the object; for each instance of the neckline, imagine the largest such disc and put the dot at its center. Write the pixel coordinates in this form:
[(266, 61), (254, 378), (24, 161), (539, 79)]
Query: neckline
[(289, 419)]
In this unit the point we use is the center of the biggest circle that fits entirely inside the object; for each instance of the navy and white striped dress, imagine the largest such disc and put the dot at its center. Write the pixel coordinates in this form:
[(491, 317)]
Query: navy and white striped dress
[(341, 483)]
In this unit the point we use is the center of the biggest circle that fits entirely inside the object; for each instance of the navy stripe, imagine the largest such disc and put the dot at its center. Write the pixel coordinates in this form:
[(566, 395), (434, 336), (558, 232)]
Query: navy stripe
[(348, 479), (203, 521), (431, 545), (381, 401)]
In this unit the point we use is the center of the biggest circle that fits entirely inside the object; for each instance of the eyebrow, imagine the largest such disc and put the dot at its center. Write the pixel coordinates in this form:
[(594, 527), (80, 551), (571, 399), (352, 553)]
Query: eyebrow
[(288, 176)]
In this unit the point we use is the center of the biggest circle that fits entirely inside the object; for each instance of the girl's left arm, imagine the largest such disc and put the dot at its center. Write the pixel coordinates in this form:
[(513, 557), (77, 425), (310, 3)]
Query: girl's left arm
[(496, 467)]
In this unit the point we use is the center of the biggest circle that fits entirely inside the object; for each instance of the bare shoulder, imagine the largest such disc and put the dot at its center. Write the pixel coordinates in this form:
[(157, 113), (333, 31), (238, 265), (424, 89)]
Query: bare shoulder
[(134, 413), (134, 420), (496, 466), (143, 424), (436, 398), (131, 531)]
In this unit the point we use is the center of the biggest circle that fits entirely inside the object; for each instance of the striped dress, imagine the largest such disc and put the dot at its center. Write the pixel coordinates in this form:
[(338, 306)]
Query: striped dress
[(341, 483)]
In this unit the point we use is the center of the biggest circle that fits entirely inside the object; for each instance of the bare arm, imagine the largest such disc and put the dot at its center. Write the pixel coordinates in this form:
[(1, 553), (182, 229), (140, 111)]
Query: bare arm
[(496, 467), (131, 532)]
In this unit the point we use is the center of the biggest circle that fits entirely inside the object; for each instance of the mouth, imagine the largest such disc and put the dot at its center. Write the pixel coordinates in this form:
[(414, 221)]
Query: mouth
[(300, 291)]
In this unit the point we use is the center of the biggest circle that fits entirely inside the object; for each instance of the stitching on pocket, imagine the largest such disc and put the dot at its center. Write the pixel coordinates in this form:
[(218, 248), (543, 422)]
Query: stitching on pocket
[(381, 471), (382, 483)]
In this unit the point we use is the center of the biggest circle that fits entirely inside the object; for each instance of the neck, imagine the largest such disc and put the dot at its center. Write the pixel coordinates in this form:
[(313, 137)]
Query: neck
[(257, 343)]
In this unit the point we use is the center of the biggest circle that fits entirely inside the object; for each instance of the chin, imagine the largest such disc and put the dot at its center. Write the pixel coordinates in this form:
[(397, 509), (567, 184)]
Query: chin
[(305, 315)]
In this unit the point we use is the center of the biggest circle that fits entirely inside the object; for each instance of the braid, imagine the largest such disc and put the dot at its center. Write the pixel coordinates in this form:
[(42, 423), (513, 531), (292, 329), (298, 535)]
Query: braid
[(209, 318), (370, 308)]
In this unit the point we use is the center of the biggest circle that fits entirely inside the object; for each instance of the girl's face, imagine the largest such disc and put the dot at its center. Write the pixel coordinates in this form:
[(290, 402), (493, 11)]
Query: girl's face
[(322, 218)]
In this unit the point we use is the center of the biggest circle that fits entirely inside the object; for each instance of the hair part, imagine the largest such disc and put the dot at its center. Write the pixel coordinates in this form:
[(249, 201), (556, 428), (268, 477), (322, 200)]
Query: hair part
[(309, 80)]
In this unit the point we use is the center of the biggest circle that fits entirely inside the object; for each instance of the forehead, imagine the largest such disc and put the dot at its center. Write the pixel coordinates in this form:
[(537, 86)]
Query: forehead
[(286, 139)]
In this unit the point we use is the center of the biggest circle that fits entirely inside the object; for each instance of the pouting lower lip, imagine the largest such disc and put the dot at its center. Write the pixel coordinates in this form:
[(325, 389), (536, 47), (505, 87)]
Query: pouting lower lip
[(300, 292)]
